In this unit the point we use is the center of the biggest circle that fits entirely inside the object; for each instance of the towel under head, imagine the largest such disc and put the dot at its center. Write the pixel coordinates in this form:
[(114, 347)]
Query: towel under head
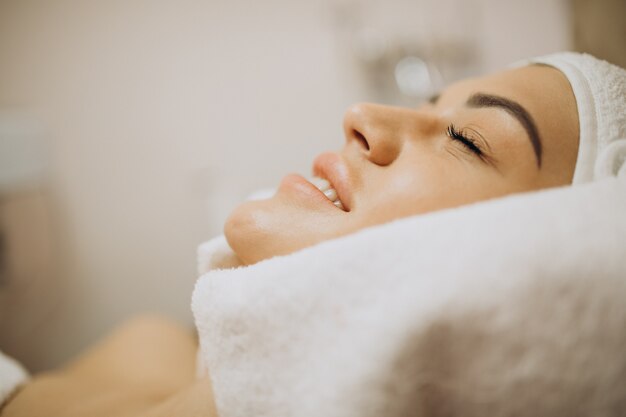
[(512, 306), (600, 91)]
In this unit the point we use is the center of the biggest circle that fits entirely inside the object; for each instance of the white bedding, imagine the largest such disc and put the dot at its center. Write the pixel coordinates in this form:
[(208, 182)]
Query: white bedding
[(12, 375), (513, 306)]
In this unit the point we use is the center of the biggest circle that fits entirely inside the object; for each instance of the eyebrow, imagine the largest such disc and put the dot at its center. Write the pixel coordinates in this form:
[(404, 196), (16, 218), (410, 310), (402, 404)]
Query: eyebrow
[(481, 100)]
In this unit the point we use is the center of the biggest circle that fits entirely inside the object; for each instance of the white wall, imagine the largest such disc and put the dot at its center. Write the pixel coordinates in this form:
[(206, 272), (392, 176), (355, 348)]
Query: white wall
[(161, 115)]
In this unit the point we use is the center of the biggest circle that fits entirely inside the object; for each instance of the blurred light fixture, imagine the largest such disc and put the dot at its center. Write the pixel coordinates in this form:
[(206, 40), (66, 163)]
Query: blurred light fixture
[(415, 77), (400, 51), (22, 151)]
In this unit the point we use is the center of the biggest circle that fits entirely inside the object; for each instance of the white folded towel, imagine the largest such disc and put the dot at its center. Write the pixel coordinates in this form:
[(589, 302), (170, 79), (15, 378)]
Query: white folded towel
[(508, 307), (12, 375)]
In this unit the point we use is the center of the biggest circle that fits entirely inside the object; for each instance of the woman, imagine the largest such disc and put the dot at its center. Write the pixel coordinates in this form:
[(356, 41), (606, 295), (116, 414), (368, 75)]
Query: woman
[(519, 130), (481, 138)]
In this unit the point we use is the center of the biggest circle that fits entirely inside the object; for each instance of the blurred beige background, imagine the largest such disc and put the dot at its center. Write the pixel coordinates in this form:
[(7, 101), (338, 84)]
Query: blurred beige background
[(152, 119)]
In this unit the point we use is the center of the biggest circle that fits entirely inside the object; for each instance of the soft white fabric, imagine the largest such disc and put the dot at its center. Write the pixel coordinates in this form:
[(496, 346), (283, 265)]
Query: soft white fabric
[(513, 306), (12, 375), (600, 91)]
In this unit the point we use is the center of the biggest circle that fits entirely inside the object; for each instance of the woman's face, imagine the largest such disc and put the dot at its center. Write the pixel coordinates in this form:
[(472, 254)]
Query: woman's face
[(482, 138)]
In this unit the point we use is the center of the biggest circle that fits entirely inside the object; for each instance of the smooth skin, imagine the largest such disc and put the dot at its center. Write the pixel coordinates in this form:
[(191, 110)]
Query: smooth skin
[(403, 162), (144, 368)]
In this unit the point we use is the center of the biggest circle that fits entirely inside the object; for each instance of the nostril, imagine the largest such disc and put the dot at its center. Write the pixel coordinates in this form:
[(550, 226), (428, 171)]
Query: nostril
[(359, 136)]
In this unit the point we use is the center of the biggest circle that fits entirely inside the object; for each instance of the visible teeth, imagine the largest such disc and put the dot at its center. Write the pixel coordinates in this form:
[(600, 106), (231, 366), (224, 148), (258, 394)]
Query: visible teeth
[(331, 194), (320, 183), (324, 186)]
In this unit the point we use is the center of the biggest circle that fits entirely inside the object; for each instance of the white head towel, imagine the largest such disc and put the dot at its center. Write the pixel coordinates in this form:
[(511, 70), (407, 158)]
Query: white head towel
[(600, 90)]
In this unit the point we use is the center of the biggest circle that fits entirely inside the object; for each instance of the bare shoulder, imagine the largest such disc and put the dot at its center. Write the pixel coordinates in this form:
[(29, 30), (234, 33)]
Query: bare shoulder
[(150, 351), (145, 366), (194, 401), (59, 395)]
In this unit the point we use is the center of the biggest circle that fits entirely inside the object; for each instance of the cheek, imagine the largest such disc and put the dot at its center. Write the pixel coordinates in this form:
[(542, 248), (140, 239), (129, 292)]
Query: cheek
[(412, 188), (422, 186)]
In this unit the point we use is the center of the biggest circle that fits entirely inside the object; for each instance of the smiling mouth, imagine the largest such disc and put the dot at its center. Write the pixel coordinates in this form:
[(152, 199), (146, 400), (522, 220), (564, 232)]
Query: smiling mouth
[(327, 189)]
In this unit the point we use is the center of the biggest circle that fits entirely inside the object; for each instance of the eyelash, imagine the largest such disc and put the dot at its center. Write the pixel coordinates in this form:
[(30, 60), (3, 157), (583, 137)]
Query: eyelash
[(469, 143)]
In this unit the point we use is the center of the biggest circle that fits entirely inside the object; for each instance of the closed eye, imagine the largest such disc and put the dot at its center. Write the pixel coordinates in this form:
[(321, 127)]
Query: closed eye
[(468, 142)]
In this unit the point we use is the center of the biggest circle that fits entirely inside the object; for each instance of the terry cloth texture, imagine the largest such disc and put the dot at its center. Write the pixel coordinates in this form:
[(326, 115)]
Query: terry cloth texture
[(513, 306), (600, 90)]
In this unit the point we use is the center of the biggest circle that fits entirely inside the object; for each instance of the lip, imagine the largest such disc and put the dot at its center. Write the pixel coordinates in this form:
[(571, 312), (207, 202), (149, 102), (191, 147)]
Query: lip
[(331, 167), (306, 189)]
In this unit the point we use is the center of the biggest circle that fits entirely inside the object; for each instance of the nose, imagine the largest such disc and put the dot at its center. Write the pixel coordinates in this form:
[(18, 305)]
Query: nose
[(381, 131)]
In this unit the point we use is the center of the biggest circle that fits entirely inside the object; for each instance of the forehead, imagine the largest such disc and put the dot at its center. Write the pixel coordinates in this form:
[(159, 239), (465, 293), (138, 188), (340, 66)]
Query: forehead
[(543, 91), (536, 87)]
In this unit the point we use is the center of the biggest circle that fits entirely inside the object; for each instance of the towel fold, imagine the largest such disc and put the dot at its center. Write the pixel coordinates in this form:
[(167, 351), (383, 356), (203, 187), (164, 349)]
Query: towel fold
[(12, 375), (513, 306)]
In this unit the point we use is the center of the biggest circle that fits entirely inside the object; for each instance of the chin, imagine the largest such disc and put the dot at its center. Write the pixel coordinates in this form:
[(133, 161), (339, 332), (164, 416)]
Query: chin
[(240, 231), (262, 229), (256, 230)]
